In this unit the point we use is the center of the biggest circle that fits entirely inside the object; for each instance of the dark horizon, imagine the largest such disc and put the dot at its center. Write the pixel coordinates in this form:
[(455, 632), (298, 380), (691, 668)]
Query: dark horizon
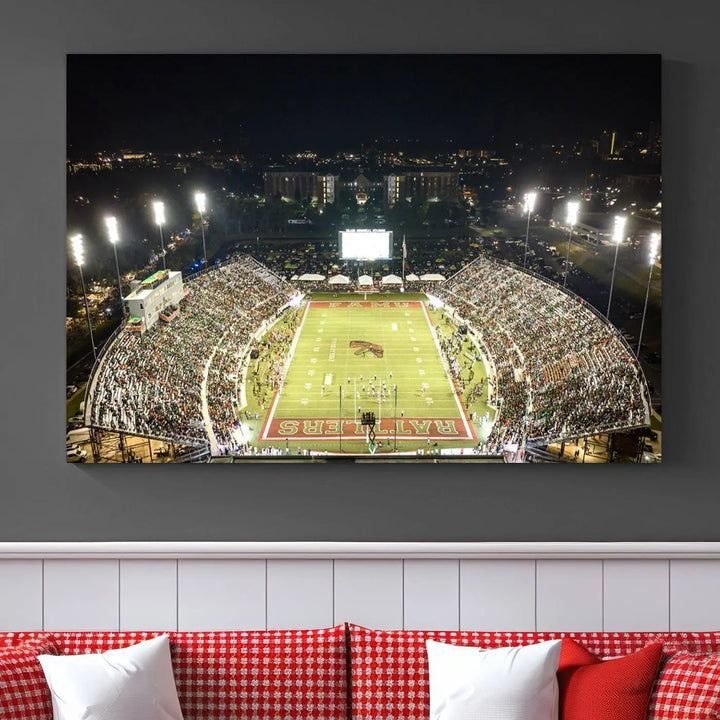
[(286, 103)]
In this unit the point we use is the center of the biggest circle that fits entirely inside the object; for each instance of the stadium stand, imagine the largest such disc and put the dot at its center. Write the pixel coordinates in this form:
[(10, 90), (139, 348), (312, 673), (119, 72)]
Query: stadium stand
[(151, 384), (561, 370)]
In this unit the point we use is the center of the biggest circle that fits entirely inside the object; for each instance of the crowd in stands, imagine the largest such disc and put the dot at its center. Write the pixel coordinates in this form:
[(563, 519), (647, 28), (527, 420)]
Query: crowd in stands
[(560, 369), (151, 383)]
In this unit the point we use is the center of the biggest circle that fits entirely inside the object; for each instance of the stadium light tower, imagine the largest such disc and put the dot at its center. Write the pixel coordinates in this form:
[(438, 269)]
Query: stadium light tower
[(112, 227), (200, 203), (529, 206), (572, 216), (654, 243), (159, 208), (618, 235), (79, 253)]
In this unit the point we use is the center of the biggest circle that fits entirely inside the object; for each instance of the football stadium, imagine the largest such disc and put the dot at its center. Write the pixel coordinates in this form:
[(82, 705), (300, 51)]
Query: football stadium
[(235, 363)]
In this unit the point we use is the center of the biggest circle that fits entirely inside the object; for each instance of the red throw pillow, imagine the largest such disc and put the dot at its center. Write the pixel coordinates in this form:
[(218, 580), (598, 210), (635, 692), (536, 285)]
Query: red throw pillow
[(595, 689), (24, 692)]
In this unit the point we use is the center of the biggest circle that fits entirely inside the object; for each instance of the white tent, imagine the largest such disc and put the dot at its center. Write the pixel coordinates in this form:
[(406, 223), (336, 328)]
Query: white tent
[(412, 277), (339, 280), (311, 277), (365, 280), (392, 280), (432, 277), (293, 278)]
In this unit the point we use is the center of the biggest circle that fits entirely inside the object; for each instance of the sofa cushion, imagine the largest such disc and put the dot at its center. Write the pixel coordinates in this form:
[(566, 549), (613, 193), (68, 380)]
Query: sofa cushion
[(687, 687), (389, 668), (508, 683), (616, 689), (132, 682), (24, 693), (224, 675)]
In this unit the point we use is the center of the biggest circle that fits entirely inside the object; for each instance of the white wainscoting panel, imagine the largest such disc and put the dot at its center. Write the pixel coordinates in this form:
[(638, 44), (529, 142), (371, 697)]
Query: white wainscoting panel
[(471, 586), (21, 601), (369, 593), (221, 594), (695, 595), (299, 594), (569, 595), (497, 595), (431, 594), (148, 594), (636, 595), (81, 595)]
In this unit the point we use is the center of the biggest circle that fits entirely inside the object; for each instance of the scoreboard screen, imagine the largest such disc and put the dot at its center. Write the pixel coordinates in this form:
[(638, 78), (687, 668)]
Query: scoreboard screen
[(365, 244)]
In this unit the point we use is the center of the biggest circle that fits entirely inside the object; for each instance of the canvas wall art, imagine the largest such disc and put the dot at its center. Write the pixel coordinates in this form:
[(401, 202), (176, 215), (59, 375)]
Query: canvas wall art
[(422, 258)]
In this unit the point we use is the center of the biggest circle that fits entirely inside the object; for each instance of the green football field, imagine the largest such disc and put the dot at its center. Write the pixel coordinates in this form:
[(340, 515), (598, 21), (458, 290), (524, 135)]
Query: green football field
[(347, 358)]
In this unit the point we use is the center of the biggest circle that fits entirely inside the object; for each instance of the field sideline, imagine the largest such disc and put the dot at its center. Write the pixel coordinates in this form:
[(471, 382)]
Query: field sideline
[(347, 357)]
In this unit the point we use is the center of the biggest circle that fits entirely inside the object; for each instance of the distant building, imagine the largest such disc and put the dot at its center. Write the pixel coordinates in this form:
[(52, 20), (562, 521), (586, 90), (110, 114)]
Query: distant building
[(301, 184), (159, 293), (421, 186), (432, 185)]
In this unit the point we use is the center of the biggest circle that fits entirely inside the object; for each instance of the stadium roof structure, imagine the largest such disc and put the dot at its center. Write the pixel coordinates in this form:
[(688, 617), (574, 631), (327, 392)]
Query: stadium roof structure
[(432, 277), (392, 280), (311, 277), (365, 280), (339, 280)]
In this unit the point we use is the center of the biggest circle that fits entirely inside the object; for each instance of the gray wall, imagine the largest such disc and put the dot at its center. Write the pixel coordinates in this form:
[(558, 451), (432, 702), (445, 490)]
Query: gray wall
[(43, 499)]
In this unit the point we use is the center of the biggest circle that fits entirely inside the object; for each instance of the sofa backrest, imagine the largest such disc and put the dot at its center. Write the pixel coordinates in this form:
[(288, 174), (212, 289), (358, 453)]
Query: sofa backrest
[(268, 675), (389, 668)]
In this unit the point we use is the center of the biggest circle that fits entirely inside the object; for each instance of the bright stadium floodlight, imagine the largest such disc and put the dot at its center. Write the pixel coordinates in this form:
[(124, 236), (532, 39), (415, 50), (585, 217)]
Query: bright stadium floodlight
[(79, 253), (652, 258), (114, 236), (529, 207), (159, 209), (200, 203), (618, 236), (572, 216)]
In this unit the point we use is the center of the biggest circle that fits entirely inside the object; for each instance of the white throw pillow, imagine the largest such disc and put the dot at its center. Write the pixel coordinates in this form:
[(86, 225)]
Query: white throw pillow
[(509, 683), (132, 683)]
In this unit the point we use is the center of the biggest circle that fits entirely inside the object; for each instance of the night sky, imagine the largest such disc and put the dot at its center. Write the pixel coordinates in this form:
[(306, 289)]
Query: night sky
[(278, 103)]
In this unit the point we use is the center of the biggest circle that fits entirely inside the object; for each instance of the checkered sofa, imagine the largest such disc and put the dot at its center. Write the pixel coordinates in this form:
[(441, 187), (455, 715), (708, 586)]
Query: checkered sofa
[(343, 673)]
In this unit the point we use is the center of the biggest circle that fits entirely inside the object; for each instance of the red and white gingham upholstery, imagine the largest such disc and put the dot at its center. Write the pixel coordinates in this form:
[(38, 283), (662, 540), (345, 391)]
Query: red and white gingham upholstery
[(389, 669), (24, 693), (687, 687), (268, 675), (691, 642)]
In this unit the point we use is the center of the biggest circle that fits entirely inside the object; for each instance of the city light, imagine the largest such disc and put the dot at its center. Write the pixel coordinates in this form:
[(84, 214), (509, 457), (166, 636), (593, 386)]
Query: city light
[(200, 202)]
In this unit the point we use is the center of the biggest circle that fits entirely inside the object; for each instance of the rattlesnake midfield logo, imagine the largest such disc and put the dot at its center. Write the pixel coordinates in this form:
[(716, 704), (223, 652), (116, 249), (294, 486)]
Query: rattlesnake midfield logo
[(363, 347)]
